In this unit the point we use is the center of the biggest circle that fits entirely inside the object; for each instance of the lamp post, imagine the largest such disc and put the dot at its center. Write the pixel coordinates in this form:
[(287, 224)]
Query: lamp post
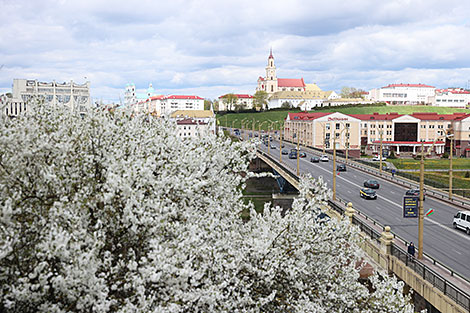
[(298, 153), (259, 128), (243, 126), (324, 137), (347, 143), (334, 162), (233, 122), (451, 136), (381, 144), (421, 209)]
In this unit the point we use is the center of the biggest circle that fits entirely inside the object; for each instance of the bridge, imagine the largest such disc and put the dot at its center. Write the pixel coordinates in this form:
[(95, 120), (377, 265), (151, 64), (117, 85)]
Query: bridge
[(442, 276)]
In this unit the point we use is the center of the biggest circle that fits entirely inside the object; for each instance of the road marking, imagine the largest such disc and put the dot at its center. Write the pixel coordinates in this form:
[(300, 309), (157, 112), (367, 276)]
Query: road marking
[(390, 201)]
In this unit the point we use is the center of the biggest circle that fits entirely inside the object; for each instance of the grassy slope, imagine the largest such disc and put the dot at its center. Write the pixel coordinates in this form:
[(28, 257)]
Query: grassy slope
[(411, 164), (236, 118)]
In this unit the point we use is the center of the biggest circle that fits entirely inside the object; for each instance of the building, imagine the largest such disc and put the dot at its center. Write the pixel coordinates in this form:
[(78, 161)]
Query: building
[(452, 97), (28, 92), (243, 102), (193, 123), (403, 94), (165, 105), (132, 97), (404, 134)]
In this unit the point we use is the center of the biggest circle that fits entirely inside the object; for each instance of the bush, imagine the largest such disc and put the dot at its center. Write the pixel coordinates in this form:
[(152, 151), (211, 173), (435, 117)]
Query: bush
[(392, 155), (445, 155), (467, 174)]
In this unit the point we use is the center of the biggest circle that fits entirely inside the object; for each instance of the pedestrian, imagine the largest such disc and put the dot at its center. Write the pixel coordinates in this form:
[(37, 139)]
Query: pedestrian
[(411, 249), (393, 172)]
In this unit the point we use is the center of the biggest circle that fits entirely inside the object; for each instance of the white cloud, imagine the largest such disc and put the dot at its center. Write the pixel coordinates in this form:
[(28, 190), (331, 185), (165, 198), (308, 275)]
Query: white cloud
[(209, 47)]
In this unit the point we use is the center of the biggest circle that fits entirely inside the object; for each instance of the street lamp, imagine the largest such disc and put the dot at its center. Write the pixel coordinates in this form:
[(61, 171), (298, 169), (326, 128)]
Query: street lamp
[(421, 208), (243, 126), (233, 122), (451, 136), (381, 144), (298, 153), (334, 162)]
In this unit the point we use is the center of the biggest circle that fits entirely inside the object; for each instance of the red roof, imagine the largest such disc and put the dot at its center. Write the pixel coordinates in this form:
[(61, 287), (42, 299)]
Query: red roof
[(409, 142), (409, 85), (290, 82), (454, 91), (377, 116), (307, 116), (381, 117), (260, 78), (189, 121), (183, 97)]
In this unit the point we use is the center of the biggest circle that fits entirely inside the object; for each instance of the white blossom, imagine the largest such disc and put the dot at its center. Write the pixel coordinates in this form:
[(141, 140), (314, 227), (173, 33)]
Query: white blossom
[(115, 213)]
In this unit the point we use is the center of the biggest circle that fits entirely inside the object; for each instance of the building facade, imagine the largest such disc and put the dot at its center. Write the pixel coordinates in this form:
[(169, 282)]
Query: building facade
[(404, 134), (194, 123), (453, 97), (403, 94), (166, 105), (132, 97), (242, 101), (28, 92)]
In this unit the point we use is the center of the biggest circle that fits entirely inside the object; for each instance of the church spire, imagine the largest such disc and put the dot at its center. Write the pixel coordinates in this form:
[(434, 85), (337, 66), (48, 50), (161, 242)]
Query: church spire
[(271, 53)]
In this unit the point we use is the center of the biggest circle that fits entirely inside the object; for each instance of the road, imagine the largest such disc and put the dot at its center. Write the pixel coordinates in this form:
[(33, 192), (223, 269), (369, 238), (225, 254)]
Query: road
[(443, 243)]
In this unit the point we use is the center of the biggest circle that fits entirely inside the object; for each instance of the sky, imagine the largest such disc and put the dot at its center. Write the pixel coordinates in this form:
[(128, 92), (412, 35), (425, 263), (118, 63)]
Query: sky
[(213, 47)]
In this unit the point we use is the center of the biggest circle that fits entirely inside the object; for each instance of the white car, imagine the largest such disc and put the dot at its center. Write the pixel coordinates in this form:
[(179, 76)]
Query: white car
[(324, 158), (377, 158), (462, 220)]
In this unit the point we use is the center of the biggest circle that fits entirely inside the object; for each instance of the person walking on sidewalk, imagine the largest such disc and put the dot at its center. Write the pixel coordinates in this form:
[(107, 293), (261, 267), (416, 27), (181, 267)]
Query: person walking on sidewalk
[(411, 250)]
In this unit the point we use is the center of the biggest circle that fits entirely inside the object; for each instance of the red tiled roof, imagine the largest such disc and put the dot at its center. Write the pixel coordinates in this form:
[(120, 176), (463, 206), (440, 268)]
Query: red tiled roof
[(260, 78), (377, 116), (408, 85), (290, 82), (426, 116), (409, 142), (189, 121), (183, 97), (435, 116), (307, 116), (453, 91)]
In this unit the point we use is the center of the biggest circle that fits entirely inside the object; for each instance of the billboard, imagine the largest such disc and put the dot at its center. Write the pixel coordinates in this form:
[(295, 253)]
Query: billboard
[(410, 206)]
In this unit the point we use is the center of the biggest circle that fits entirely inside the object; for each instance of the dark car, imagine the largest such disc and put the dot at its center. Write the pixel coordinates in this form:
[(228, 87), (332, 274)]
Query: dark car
[(315, 159), (415, 192), (372, 183), (285, 151), (302, 155), (368, 193), (341, 168), (293, 155)]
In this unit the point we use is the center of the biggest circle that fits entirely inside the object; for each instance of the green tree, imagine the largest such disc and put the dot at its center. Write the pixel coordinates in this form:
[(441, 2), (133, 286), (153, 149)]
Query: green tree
[(260, 100), (286, 105), (230, 100), (207, 104), (351, 92)]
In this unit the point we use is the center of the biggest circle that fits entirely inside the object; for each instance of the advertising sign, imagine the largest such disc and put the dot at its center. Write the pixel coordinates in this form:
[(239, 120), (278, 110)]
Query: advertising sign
[(410, 206)]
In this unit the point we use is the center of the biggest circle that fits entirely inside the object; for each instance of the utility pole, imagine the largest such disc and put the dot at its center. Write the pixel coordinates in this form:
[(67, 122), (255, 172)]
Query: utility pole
[(421, 209), (298, 154), (280, 144), (450, 165), (334, 167), (381, 141)]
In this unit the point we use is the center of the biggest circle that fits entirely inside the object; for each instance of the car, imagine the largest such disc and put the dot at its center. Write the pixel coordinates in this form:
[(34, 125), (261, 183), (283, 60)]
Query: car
[(415, 192), (293, 155), (283, 145), (315, 159), (256, 134), (285, 151), (273, 147), (377, 158), (324, 158), (462, 221), (372, 183), (368, 193), (302, 155), (341, 168)]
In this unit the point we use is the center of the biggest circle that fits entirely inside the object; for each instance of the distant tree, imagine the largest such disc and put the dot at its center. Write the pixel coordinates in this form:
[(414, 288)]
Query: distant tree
[(351, 92), (230, 100), (216, 105), (260, 100), (207, 104), (286, 105)]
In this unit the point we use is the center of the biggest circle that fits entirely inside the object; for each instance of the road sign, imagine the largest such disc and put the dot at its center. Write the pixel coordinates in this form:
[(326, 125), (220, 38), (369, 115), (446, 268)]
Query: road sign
[(410, 206)]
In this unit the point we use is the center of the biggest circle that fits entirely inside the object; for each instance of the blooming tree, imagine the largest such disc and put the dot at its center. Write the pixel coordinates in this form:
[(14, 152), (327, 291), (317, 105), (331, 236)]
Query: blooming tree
[(116, 213)]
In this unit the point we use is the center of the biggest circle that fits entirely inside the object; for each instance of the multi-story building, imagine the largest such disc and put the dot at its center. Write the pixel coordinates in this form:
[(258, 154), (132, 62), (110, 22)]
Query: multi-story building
[(28, 92), (132, 97), (193, 123), (452, 97), (403, 94), (242, 101), (404, 134), (165, 105)]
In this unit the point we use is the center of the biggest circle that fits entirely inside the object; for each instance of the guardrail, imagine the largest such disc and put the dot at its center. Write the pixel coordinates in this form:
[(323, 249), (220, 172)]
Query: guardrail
[(437, 280)]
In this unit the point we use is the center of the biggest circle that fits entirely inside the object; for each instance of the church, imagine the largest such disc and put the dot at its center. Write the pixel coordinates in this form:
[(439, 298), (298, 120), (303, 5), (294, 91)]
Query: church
[(292, 91), (272, 84)]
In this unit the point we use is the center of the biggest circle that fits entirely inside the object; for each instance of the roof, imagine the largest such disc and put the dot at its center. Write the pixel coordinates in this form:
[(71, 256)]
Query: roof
[(290, 82), (408, 85), (192, 113), (410, 142), (453, 91), (384, 117), (295, 94), (189, 121), (307, 116), (312, 87), (435, 116), (183, 97), (377, 116)]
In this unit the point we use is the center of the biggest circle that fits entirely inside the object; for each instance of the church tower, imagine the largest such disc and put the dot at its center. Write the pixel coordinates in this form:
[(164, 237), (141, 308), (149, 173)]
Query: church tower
[(271, 78)]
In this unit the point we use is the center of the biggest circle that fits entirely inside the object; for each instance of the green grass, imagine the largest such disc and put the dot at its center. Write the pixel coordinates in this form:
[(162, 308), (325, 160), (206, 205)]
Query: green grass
[(411, 164), (259, 117), (458, 181)]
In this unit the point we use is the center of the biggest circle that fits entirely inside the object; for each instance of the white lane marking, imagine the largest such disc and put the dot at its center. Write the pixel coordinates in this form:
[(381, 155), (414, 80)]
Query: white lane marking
[(392, 191), (390, 201)]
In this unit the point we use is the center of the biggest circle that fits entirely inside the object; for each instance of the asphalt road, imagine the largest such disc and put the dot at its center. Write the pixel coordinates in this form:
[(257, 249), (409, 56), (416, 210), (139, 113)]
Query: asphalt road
[(441, 241)]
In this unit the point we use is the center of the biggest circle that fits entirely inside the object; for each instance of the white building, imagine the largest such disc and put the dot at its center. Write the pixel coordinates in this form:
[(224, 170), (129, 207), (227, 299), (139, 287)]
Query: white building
[(166, 105), (306, 100), (455, 97), (243, 101), (193, 123), (27, 92), (132, 97), (403, 94)]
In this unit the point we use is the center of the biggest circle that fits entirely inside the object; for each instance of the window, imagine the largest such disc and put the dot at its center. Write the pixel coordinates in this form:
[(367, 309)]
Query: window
[(328, 126), (327, 136), (337, 125), (337, 135), (372, 126), (372, 132), (431, 126), (423, 126), (348, 125)]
